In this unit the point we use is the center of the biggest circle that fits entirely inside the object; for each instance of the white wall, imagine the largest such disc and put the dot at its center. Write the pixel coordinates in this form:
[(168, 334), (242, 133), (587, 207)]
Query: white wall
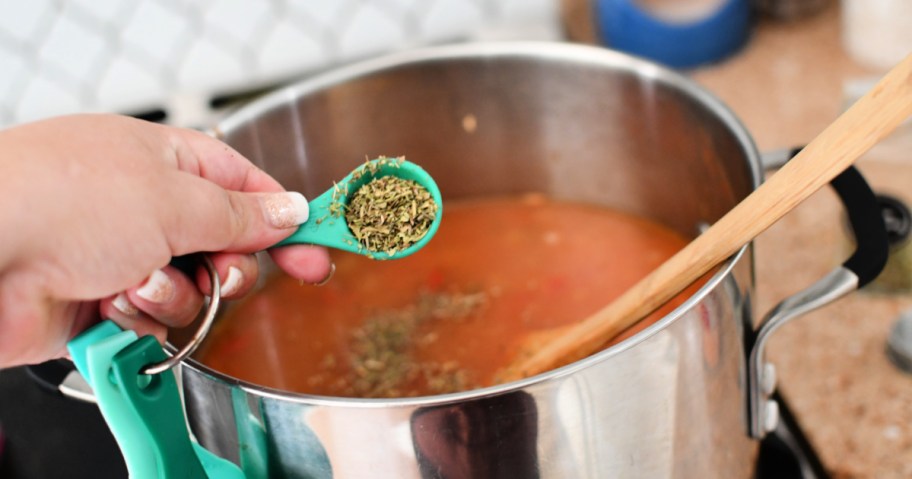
[(131, 56)]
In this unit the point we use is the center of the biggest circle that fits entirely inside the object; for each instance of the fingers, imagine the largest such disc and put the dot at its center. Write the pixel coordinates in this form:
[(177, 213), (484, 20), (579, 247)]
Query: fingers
[(204, 156), (242, 210), (120, 310), (310, 264), (198, 215), (167, 296), (237, 272), (220, 201)]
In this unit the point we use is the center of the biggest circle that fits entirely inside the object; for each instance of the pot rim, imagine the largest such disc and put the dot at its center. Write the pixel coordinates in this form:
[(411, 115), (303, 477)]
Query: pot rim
[(560, 52)]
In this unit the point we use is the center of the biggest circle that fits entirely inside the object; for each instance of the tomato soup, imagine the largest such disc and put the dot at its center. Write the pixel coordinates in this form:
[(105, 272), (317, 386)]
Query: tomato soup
[(448, 317)]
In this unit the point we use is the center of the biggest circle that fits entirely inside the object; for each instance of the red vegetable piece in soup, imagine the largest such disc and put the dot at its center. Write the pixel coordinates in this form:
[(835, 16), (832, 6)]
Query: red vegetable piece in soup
[(449, 317)]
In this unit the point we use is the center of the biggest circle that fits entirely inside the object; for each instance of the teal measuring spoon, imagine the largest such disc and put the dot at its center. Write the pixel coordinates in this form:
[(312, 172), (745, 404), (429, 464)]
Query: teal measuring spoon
[(92, 352), (158, 412), (144, 412), (326, 227)]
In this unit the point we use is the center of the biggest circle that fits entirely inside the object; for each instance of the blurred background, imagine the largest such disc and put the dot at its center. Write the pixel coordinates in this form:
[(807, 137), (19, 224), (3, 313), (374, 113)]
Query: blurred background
[(174, 59)]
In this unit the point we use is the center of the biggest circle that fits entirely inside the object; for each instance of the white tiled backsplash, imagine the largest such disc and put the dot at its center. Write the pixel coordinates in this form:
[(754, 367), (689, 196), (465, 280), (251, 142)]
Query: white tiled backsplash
[(132, 56)]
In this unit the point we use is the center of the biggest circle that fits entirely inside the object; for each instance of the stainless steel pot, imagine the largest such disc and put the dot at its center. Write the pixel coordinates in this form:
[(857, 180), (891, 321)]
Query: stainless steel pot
[(679, 399)]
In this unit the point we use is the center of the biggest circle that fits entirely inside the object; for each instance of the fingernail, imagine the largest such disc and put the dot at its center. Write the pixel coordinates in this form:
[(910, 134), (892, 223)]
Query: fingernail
[(332, 271), (158, 288), (284, 210), (232, 281), (122, 303)]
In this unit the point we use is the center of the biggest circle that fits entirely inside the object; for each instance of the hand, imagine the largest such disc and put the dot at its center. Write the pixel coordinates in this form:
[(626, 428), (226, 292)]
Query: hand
[(94, 207)]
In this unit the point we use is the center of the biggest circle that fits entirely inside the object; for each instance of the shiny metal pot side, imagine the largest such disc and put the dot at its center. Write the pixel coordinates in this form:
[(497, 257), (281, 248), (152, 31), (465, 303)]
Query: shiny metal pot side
[(575, 122)]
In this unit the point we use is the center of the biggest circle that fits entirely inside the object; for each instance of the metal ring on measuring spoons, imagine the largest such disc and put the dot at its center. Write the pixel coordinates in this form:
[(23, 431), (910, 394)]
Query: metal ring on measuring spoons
[(208, 319)]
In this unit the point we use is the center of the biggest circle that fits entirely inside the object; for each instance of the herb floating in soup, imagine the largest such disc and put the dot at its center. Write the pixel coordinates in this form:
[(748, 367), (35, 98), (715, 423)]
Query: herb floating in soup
[(498, 271), (380, 359)]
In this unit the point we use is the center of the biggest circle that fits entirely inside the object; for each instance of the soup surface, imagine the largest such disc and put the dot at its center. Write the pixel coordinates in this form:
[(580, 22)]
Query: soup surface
[(448, 317)]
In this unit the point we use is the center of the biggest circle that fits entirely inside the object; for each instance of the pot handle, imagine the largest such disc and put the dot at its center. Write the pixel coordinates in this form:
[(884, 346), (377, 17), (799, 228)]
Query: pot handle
[(869, 258), (867, 222), (59, 376)]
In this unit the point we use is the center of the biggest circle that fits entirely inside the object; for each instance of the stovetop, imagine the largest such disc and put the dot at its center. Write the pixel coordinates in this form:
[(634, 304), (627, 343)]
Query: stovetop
[(49, 436)]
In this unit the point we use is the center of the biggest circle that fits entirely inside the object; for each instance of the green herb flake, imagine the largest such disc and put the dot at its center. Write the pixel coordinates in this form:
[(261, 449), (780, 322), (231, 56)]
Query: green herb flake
[(381, 360)]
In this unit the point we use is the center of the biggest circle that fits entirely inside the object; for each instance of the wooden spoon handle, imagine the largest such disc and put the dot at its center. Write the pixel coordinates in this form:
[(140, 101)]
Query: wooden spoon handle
[(871, 118)]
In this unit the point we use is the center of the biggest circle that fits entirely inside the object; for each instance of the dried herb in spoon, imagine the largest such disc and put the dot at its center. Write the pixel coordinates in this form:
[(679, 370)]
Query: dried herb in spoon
[(389, 214)]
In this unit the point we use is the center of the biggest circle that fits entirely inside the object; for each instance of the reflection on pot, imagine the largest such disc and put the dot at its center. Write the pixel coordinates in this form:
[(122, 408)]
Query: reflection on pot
[(485, 438)]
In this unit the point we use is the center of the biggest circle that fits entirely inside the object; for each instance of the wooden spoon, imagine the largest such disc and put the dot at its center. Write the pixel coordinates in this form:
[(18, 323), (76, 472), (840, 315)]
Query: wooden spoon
[(870, 119)]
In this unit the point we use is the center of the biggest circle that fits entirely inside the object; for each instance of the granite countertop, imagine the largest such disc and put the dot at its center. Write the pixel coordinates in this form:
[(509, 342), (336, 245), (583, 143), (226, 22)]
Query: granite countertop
[(787, 85), (856, 407)]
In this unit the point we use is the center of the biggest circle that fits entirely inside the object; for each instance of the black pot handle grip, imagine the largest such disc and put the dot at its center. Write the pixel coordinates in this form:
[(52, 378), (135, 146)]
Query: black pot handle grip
[(51, 374), (867, 222), (866, 213)]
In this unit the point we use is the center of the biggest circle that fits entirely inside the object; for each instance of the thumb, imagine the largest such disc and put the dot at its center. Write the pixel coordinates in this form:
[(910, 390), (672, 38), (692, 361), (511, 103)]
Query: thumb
[(211, 218)]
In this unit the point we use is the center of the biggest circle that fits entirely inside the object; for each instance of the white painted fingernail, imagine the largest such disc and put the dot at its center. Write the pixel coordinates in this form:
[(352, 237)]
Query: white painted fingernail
[(122, 303), (285, 210), (232, 282), (158, 288)]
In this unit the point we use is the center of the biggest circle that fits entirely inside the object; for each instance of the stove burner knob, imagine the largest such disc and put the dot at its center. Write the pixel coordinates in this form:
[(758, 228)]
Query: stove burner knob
[(768, 379), (899, 343), (770, 415)]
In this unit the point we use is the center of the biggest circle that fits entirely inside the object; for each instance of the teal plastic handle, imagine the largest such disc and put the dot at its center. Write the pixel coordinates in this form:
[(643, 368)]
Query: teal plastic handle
[(78, 345), (144, 412), (325, 229), (155, 403), (92, 352), (118, 414)]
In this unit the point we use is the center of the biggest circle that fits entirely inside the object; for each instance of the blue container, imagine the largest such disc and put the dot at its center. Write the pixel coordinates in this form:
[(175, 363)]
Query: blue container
[(625, 26)]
